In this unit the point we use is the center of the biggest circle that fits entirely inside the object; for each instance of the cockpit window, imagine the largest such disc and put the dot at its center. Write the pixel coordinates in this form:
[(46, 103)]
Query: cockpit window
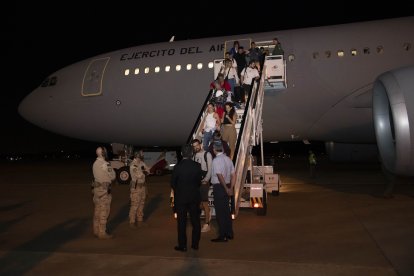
[(49, 82), (53, 81), (45, 83)]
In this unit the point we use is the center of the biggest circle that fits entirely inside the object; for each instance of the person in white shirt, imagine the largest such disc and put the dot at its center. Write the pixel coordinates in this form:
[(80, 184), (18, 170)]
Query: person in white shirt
[(230, 74), (205, 160), (223, 178), (210, 124), (249, 74)]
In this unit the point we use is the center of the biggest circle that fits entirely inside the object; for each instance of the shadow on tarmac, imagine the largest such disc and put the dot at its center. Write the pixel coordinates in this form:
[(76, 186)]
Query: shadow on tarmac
[(11, 207), (152, 205), (15, 263), (5, 225)]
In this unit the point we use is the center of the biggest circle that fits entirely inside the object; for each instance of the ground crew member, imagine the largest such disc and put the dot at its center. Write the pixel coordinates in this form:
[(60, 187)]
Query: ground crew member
[(312, 164), (138, 169), (103, 176)]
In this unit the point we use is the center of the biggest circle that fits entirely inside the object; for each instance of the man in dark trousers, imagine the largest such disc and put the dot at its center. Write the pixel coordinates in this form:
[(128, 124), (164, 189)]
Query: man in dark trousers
[(185, 181), (223, 180)]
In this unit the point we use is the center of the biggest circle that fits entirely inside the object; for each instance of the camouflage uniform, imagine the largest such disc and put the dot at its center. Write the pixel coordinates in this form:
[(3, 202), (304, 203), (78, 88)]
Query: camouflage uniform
[(103, 176), (137, 190)]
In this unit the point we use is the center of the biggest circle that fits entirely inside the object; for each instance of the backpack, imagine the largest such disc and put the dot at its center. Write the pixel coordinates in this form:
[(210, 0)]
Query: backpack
[(204, 173)]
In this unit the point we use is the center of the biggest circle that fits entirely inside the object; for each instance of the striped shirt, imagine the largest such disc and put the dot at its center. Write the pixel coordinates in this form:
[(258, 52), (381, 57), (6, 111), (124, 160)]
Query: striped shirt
[(223, 165)]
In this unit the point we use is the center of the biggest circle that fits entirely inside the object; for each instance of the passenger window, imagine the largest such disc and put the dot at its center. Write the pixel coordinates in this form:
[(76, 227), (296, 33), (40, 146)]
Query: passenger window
[(126, 73), (366, 51), (354, 52), (341, 53), (210, 65), (178, 68), (327, 54), (189, 66), (291, 57), (136, 72), (407, 46), (146, 71), (167, 68), (315, 55), (157, 69), (199, 66)]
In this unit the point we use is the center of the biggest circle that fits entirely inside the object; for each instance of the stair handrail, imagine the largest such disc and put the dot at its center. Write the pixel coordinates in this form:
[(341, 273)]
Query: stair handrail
[(200, 117)]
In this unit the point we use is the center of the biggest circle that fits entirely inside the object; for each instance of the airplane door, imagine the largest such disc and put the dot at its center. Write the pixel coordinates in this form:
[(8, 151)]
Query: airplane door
[(92, 80), (245, 42)]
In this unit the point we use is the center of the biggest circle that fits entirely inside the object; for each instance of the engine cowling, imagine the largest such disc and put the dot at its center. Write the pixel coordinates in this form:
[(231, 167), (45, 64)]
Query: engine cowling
[(393, 112)]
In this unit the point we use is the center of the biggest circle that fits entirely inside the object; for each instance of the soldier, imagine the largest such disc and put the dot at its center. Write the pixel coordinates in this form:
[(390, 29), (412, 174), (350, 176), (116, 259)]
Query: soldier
[(138, 169), (103, 176)]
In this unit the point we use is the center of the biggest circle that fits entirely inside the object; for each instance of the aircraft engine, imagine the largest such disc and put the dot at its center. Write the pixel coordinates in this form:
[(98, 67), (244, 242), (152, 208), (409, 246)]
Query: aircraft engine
[(393, 112)]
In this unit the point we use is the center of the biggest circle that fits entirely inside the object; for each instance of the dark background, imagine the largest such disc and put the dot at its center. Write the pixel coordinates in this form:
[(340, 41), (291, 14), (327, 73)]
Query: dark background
[(39, 39)]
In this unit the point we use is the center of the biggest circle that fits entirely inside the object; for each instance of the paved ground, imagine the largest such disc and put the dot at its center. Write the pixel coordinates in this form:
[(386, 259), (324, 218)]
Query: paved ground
[(336, 224)]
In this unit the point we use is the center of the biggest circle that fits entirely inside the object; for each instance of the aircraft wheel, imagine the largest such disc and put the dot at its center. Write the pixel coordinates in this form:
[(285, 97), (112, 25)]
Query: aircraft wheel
[(123, 176)]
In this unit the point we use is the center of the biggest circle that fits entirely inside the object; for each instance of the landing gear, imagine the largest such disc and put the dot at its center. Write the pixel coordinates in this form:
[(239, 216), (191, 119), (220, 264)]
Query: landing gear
[(263, 211)]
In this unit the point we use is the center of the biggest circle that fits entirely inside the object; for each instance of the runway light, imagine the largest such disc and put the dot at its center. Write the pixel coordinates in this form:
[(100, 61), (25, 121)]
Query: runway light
[(233, 216), (175, 215), (256, 205)]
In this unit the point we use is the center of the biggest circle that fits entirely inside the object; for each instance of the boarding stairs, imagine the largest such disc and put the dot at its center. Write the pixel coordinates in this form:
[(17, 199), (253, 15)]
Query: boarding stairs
[(249, 134)]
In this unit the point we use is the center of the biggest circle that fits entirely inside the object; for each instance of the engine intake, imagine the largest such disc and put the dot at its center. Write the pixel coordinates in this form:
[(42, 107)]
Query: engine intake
[(393, 112)]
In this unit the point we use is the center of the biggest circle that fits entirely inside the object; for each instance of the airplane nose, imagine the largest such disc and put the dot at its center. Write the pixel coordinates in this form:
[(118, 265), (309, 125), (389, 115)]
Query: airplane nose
[(25, 107), (30, 108)]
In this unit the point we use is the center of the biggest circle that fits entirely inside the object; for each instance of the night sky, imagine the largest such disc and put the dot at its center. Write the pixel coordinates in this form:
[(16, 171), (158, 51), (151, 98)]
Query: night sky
[(39, 39)]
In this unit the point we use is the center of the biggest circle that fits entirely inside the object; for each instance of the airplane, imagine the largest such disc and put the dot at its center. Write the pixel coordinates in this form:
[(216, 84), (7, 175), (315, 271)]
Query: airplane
[(350, 85)]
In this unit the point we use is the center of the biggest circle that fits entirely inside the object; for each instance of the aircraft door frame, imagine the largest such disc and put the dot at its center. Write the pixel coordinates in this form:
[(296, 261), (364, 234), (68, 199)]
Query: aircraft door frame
[(245, 42), (92, 80)]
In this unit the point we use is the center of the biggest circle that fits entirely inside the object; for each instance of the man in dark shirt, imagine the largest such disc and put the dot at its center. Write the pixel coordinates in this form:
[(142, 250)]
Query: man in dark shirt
[(240, 58), (185, 181), (217, 138)]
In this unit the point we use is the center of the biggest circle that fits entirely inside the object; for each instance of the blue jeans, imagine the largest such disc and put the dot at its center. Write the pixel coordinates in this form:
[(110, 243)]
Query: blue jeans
[(232, 83), (207, 136)]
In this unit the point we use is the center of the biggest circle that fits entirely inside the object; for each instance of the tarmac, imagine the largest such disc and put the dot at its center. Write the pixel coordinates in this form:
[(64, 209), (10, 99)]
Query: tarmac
[(335, 224)]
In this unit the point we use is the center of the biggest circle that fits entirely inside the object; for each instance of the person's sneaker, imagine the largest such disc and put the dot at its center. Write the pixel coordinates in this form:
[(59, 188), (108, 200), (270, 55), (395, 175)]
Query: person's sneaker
[(206, 228)]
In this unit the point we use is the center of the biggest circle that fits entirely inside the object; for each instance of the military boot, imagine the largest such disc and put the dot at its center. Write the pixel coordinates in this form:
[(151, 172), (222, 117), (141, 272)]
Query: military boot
[(105, 236), (95, 230)]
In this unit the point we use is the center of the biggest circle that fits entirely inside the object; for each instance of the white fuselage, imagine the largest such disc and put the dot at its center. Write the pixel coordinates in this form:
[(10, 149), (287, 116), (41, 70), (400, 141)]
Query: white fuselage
[(328, 96)]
